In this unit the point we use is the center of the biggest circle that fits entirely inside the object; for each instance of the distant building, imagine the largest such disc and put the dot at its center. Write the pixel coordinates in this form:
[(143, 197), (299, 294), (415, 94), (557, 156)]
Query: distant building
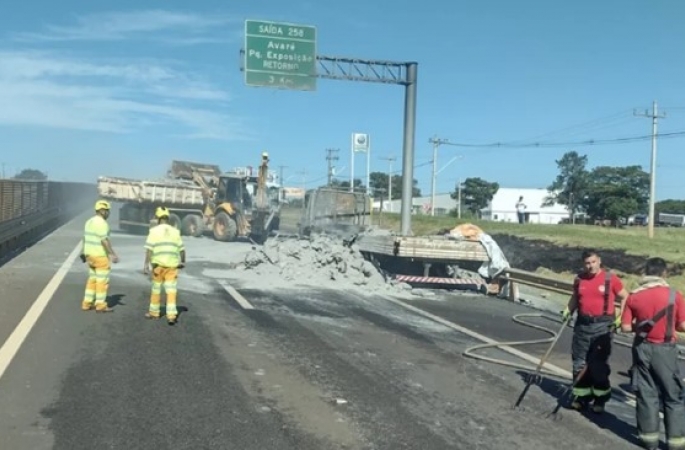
[(502, 207)]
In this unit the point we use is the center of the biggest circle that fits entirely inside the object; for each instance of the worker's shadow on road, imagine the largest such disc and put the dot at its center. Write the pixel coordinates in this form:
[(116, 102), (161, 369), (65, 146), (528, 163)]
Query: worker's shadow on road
[(561, 392), (115, 300)]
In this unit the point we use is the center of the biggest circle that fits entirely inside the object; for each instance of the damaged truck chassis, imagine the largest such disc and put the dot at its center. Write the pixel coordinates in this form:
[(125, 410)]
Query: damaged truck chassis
[(450, 260)]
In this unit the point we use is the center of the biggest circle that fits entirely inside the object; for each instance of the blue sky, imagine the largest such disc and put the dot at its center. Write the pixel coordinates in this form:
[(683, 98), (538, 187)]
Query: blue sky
[(87, 90)]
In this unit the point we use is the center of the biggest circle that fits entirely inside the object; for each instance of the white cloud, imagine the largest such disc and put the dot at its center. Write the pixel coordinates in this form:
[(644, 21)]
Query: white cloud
[(160, 25), (45, 90)]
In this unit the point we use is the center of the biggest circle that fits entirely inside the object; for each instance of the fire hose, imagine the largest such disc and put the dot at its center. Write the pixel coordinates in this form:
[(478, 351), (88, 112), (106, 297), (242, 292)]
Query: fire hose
[(518, 318), (552, 339)]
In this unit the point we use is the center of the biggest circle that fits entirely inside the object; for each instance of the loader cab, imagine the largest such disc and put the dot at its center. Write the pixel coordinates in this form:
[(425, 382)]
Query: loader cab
[(233, 189)]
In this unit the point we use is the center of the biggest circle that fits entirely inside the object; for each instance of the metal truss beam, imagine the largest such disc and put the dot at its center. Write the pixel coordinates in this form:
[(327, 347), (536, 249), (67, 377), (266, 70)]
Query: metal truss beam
[(353, 69)]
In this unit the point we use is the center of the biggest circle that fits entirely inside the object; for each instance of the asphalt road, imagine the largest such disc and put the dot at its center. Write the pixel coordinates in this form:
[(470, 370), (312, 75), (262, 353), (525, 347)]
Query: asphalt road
[(303, 369)]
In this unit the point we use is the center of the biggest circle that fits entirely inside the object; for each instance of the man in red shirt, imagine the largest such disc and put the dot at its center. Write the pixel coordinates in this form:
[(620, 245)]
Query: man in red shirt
[(595, 292), (655, 311)]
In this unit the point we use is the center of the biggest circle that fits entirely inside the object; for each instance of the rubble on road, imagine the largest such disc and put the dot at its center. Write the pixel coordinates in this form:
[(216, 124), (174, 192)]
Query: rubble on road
[(320, 261)]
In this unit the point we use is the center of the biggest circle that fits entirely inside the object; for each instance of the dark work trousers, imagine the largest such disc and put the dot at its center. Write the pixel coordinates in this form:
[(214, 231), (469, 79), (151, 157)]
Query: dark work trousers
[(656, 379), (591, 347)]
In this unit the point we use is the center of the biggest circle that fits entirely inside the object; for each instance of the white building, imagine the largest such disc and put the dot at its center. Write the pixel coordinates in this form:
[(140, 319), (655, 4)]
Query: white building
[(502, 207), (420, 205)]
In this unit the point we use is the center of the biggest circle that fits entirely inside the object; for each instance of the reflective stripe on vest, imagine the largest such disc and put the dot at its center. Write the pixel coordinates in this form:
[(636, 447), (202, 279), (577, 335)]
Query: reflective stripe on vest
[(165, 243), (95, 231)]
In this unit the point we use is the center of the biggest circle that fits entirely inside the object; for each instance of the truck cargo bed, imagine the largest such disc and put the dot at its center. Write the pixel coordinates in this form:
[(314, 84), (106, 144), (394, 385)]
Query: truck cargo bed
[(169, 192), (426, 248)]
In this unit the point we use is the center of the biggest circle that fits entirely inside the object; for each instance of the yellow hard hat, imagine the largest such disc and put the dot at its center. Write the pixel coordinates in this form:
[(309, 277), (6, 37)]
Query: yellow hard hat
[(102, 204), (161, 212)]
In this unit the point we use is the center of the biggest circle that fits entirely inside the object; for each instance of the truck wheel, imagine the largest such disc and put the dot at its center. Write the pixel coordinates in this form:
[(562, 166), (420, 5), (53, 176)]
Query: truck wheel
[(225, 228), (192, 225), (175, 221)]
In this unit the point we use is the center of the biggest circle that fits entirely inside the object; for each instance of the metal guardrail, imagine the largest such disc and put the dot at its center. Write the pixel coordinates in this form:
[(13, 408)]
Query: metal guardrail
[(538, 281), (516, 276)]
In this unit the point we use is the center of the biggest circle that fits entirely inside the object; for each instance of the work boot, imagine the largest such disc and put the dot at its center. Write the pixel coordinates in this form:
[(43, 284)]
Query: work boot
[(579, 404), (598, 408)]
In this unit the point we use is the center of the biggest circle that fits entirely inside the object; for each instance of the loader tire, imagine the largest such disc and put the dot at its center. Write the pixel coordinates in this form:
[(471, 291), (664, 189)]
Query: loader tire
[(225, 228), (192, 225)]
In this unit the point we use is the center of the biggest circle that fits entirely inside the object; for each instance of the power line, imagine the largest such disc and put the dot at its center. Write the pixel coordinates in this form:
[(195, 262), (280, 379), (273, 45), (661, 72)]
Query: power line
[(394, 172), (602, 122), (615, 141)]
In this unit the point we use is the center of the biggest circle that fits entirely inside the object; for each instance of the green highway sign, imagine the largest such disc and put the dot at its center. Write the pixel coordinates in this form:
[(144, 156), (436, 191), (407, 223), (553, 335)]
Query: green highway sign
[(280, 55)]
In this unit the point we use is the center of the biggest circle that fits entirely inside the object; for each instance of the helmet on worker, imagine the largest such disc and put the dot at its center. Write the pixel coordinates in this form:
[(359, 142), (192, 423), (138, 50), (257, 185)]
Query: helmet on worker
[(102, 204), (162, 213), (102, 207)]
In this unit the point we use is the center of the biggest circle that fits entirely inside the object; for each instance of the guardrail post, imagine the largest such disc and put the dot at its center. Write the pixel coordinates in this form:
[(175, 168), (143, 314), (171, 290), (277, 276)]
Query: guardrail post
[(512, 288)]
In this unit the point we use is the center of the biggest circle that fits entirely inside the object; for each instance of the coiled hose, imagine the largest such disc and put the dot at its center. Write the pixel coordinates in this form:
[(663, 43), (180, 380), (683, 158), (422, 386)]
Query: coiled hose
[(518, 318)]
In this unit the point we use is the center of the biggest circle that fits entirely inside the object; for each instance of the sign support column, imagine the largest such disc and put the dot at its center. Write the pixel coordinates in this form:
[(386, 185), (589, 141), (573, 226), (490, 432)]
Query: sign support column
[(408, 149)]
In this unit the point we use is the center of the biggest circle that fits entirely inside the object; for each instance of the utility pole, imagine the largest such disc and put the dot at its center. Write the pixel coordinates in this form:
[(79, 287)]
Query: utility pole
[(281, 180), (654, 115), (390, 160), (331, 155), (436, 143)]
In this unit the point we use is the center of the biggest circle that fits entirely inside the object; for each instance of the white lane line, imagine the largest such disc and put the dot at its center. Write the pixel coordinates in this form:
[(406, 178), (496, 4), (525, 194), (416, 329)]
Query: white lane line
[(629, 399), (13, 343), (237, 296)]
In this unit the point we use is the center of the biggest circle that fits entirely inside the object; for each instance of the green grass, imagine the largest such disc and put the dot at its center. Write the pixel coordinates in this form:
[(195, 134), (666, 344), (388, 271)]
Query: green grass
[(667, 243)]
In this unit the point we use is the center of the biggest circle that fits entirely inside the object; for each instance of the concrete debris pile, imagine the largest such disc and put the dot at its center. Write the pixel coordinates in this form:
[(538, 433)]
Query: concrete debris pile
[(319, 261)]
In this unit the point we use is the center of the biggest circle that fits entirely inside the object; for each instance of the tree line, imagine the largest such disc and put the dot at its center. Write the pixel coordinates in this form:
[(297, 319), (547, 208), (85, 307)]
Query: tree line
[(600, 193)]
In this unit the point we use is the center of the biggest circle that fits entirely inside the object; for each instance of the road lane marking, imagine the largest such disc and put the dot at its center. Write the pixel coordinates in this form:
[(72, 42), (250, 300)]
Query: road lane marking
[(12, 345), (237, 296), (628, 400)]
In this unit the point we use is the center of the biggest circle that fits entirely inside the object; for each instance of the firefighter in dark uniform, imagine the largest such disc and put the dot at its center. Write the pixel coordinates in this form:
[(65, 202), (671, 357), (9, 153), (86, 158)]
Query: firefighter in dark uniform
[(655, 311), (595, 292)]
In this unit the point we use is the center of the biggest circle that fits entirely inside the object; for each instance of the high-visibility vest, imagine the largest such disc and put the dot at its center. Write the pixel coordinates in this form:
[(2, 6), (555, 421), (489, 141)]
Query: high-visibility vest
[(166, 245), (95, 231)]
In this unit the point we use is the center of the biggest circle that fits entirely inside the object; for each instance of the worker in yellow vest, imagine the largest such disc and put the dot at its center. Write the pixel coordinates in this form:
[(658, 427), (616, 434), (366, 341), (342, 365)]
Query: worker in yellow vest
[(97, 252), (165, 254)]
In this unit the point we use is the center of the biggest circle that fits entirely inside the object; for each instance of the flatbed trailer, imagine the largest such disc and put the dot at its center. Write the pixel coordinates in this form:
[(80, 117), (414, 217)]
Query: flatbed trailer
[(429, 260)]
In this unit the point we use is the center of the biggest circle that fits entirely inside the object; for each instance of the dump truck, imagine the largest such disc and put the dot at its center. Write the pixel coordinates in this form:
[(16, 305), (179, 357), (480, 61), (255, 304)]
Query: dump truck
[(201, 200)]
